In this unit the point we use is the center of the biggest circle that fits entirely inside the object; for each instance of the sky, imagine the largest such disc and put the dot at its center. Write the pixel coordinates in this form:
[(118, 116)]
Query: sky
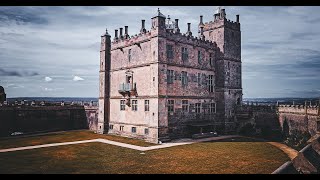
[(54, 51)]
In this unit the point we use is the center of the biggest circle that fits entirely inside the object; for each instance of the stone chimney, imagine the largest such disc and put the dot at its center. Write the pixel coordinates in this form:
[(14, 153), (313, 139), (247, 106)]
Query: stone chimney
[(176, 29), (201, 34), (189, 33), (126, 35), (223, 13), (201, 21), (116, 34), (143, 29), (121, 35)]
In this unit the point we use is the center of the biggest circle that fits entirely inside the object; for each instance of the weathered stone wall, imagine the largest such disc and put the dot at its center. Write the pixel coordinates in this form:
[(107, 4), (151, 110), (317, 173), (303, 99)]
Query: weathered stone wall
[(92, 117), (29, 119), (301, 118)]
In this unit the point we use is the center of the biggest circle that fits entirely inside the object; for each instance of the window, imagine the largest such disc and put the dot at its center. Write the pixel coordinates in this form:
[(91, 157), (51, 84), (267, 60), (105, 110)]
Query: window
[(184, 78), (211, 59), (121, 128), (228, 65), (146, 105), (198, 108), (318, 126), (210, 83), (146, 131), (170, 76), (129, 55), (122, 105), (169, 51), (212, 108), (229, 92), (170, 105), (184, 54), (111, 126), (134, 105), (199, 57), (185, 105), (133, 129), (199, 79)]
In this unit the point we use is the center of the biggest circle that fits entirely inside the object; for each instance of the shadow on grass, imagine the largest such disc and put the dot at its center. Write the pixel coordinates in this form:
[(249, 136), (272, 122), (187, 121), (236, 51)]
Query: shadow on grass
[(239, 139)]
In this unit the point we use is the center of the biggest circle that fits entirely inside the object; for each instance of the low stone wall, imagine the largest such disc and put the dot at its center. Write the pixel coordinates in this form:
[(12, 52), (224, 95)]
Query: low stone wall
[(36, 119)]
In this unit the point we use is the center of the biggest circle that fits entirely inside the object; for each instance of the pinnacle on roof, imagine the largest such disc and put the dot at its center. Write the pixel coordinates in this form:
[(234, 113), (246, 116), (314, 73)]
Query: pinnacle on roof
[(159, 14)]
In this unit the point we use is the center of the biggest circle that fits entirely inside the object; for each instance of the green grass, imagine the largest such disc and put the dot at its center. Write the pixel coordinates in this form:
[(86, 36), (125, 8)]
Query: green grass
[(65, 137), (206, 157)]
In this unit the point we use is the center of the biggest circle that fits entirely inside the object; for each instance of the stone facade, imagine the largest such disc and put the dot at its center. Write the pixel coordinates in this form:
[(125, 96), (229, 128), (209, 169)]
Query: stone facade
[(303, 118), (163, 84)]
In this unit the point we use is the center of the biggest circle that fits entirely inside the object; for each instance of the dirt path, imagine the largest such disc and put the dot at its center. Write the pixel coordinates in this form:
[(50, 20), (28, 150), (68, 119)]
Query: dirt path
[(130, 146), (292, 153)]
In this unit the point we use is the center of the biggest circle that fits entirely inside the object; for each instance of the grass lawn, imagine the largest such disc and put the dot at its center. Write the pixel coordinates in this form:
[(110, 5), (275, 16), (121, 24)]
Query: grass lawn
[(206, 157), (65, 137)]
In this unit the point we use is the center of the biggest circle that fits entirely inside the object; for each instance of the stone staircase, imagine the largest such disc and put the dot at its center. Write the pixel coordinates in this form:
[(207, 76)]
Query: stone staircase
[(306, 162)]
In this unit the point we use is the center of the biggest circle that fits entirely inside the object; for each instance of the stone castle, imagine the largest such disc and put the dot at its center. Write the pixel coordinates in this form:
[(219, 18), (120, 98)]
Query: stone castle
[(163, 84)]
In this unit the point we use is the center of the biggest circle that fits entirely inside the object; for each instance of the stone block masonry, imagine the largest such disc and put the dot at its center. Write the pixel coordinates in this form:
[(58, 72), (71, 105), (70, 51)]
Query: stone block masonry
[(163, 84)]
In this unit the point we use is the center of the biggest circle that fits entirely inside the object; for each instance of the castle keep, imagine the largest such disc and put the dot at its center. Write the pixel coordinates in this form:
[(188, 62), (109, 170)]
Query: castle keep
[(164, 84)]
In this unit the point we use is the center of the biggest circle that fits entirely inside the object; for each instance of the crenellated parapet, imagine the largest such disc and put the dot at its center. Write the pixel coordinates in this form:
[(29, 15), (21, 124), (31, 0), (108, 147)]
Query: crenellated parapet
[(299, 109), (136, 39), (190, 40), (208, 26)]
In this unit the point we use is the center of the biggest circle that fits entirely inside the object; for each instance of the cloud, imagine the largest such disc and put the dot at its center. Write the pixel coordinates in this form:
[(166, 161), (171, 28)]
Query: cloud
[(14, 86), (17, 73), (77, 78), (275, 55), (48, 79)]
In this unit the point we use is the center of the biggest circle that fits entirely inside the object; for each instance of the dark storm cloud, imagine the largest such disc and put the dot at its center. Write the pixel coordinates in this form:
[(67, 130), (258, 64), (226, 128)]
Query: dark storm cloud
[(4, 72), (21, 15)]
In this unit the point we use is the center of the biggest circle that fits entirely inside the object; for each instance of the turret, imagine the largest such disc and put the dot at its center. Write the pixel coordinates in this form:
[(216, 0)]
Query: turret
[(158, 21), (104, 85)]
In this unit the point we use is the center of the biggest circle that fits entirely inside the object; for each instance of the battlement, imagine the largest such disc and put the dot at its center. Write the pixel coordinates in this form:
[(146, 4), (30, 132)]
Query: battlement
[(170, 31), (133, 40), (299, 109), (208, 26)]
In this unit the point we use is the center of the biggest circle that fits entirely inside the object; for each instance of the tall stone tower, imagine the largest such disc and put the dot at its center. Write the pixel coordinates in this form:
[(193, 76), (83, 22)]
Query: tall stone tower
[(227, 35), (104, 87)]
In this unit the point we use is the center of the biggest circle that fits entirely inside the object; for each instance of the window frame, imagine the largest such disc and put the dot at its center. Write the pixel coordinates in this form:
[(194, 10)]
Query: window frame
[(122, 106), (146, 105), (129, 55), (211, 83), (184, 54), (185, 105), (169, 52), (134, 105), (146, 131), (198, 108), (170, 76), (133, 129), (199, 57), (170, 105), (214, 107), (184, 78)]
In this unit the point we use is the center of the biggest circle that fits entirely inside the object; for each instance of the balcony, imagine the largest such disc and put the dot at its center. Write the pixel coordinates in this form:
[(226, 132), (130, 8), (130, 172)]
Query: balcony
[(127, 89), (124, 87)]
